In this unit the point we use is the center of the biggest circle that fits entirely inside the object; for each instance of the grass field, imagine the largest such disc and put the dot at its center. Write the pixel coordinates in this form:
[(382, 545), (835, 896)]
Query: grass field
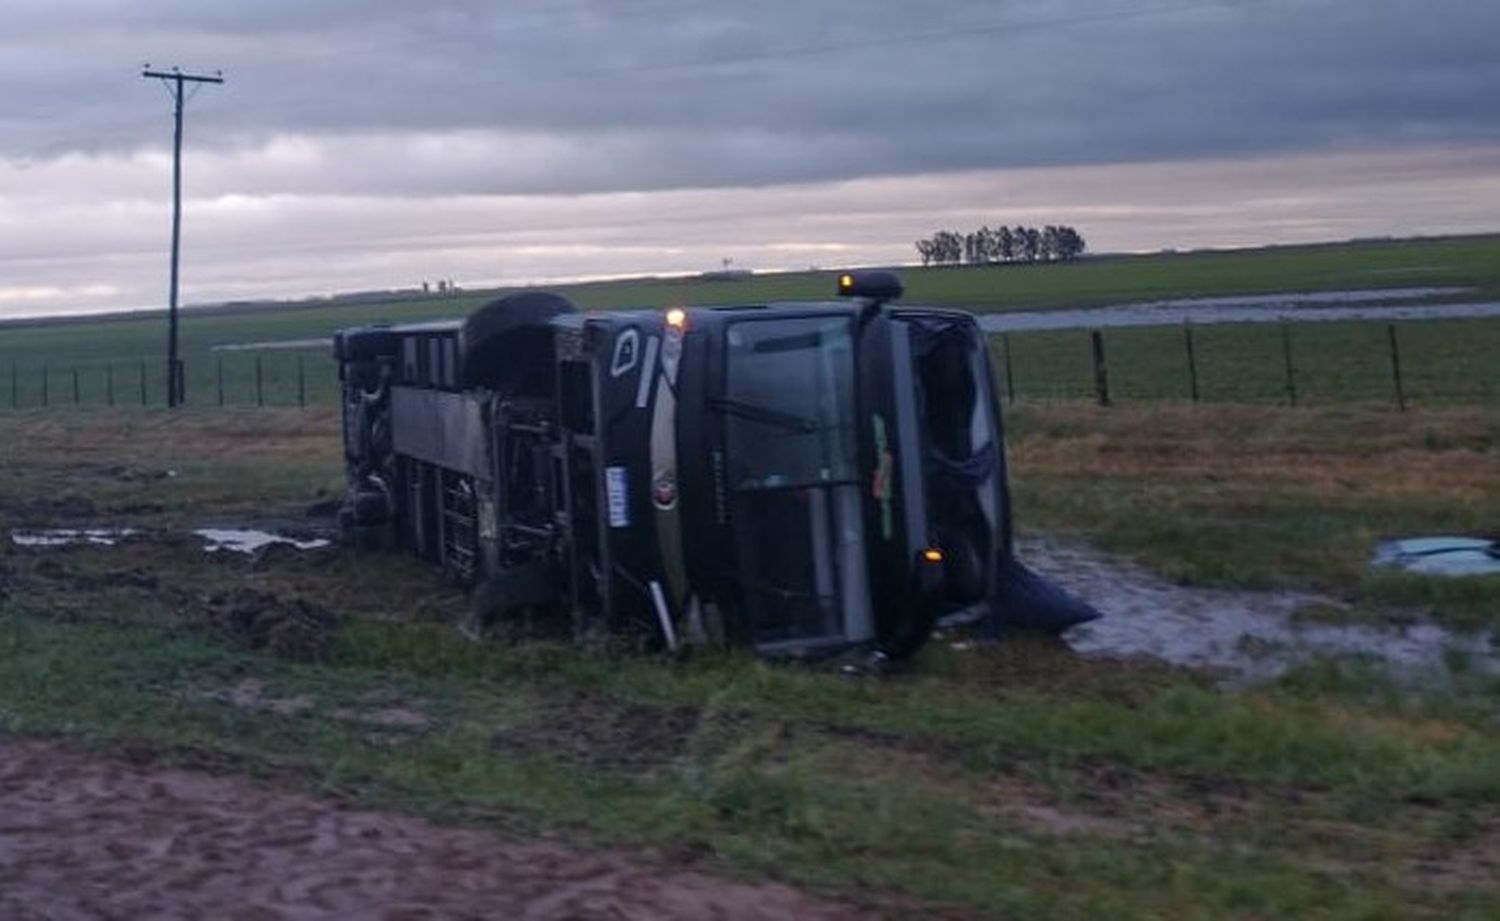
[(1019, 780), (1443, 362), (1449, 361)]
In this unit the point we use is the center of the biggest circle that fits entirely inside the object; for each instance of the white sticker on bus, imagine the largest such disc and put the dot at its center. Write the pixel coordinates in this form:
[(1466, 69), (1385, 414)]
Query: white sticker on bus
[(615, 485)]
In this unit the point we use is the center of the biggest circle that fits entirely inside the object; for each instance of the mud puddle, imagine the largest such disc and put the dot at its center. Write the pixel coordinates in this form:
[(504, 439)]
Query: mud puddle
[(1247, 636)]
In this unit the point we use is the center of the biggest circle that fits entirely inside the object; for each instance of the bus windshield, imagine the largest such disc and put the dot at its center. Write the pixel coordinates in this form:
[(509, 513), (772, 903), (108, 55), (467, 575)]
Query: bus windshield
[(789, 402), (791, 460)]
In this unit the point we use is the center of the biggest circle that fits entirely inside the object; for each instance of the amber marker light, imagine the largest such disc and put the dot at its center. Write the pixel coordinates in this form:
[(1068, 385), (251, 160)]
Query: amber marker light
[(932, 555), (677, 318), (846, 281)]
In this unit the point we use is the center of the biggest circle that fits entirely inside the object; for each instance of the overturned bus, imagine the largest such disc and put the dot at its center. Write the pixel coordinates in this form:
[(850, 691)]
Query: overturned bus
[(801, 478)]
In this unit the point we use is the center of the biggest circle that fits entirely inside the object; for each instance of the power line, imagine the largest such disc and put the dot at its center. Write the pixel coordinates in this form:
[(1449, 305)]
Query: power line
[(175, 81)]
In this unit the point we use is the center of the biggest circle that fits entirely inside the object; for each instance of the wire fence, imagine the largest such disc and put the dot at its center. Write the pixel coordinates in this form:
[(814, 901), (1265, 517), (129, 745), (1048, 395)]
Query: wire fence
[(1418, 363), (1450, 362), (266, 378)]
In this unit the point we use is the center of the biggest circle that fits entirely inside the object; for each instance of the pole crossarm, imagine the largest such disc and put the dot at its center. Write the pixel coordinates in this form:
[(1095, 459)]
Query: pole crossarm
[(183, 77)]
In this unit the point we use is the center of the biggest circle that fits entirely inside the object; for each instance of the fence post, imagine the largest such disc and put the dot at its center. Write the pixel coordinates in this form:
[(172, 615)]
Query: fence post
[(1286, 354), (143, 382), (1192, 359), (1396, 366), (1101, 370), (75, 385), (45, 375), (1010, 375), (301, 382), (220, 376), (260, 398), (109, 383)]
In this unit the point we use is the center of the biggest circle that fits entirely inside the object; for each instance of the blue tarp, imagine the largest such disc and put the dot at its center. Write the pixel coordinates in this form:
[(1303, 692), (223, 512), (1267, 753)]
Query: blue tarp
[(1029, 602)]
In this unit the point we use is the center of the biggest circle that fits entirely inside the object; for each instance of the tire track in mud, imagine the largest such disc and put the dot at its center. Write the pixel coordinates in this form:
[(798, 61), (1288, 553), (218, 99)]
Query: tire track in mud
[(85, 837)]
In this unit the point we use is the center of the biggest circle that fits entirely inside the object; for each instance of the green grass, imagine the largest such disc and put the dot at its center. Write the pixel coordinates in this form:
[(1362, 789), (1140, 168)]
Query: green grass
[(761, 784), (1237, 362), (1443, 362)]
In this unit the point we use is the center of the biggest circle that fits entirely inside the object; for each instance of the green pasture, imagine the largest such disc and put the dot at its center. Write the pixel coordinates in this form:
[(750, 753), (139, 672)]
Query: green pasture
[(1449, 361), (1442, 362)]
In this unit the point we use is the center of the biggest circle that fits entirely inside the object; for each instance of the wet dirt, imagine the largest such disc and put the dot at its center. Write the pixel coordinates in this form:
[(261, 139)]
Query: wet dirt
[(289, 628), (598, 731), (251, 694), (1246, 636), (87, 837)]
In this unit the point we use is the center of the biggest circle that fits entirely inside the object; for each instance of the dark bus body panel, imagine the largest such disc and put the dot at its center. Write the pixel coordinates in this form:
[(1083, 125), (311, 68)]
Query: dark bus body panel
[(800, 478)]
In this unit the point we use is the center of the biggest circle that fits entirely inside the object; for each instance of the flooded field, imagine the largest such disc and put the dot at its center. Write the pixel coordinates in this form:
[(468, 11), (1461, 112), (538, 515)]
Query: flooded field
[(1328, 306)]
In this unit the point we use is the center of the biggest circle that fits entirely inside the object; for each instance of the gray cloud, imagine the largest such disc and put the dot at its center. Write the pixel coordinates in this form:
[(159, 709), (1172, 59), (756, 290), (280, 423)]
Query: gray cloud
[(776, 91), (364, 143)]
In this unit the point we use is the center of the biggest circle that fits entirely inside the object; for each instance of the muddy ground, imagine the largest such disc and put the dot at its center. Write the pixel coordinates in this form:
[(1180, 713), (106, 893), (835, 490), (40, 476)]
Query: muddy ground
[(90, 837), (984, 780)]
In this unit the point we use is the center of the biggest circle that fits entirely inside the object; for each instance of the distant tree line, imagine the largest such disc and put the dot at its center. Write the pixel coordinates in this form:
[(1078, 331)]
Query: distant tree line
[(1053, 243)]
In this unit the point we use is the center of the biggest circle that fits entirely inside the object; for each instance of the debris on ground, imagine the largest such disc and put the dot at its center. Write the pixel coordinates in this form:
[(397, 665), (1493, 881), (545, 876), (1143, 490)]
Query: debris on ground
[(1441, 556)]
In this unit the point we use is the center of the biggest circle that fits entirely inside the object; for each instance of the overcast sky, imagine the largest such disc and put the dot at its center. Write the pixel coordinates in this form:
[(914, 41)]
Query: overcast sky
[(374, 144)]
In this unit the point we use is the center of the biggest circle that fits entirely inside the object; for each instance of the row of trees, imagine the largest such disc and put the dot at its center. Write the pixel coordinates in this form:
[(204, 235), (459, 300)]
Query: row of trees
[(1005, 244)]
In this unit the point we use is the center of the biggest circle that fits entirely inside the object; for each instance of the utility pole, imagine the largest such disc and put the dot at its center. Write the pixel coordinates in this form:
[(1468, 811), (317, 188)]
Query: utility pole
[(175, 81)]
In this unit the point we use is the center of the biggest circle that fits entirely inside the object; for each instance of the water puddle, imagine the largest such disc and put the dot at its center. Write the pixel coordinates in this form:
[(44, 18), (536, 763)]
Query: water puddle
[(1250, 636), (71, 537), (234, 540), (246, 540), (275, 345)]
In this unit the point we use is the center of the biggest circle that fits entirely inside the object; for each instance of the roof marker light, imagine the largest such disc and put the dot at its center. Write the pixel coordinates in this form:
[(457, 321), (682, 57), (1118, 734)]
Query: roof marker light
[(874, 285), (677, 318)]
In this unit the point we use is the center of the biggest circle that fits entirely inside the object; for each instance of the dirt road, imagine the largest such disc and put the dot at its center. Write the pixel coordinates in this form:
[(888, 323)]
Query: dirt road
[(86, 837)]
